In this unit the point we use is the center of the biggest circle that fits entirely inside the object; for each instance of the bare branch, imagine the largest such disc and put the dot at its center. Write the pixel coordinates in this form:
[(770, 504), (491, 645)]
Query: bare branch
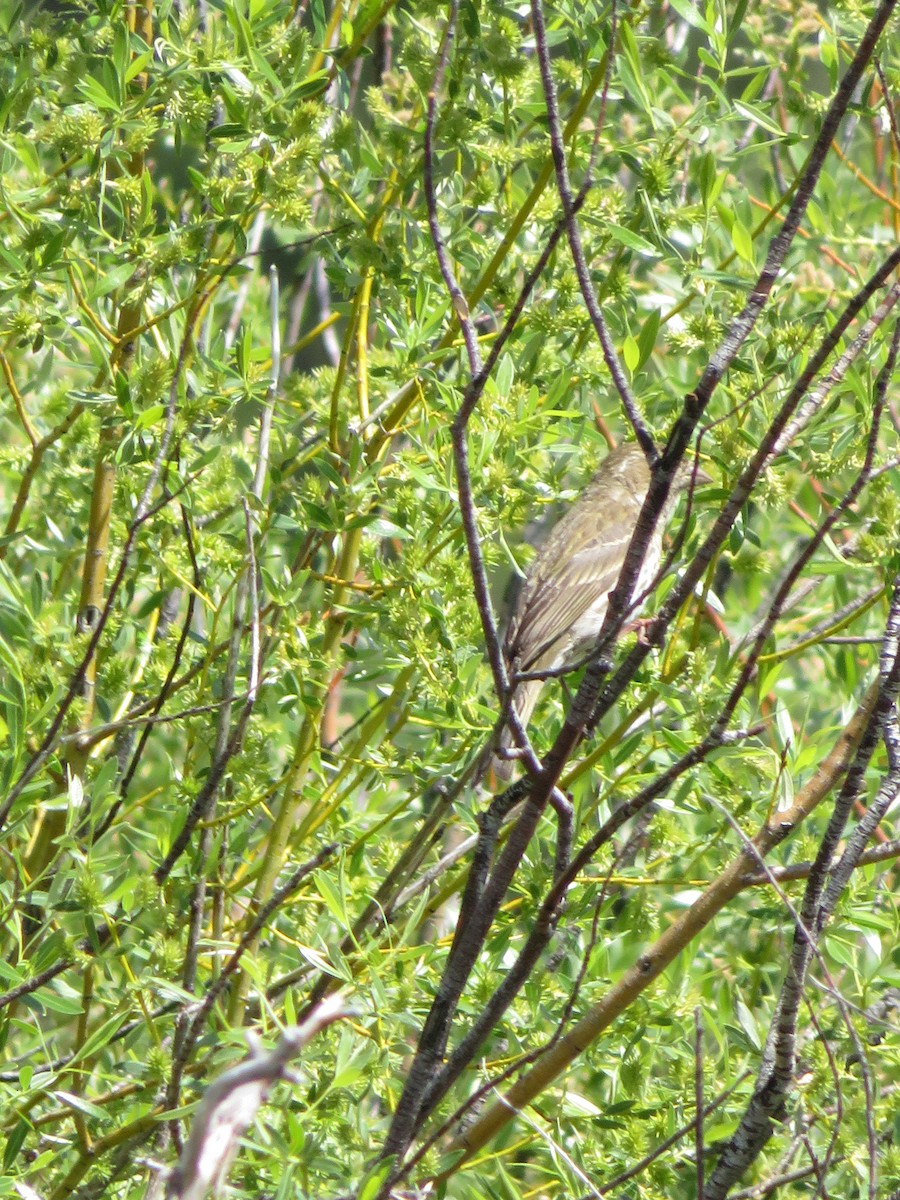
[(230, 1103), (557, 144)]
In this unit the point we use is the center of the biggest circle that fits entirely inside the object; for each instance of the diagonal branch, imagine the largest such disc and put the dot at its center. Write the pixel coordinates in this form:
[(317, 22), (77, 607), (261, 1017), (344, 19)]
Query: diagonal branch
[(650, 965), (564, 187)]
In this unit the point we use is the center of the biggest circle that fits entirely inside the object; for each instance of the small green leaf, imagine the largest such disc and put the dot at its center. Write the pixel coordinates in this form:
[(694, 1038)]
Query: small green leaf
[(80, 1105), (505, 374), (150, 416), (71, 1006), (647, 337), (229, 129), (471, 21), (92, 89), (371, 1184), (314, 84), (14, 1142), (328, 891), (763, 120), (736, 19), (689, 12), (627, 237), (101, 1036), (742, 242), (114, 278), (138, 64)]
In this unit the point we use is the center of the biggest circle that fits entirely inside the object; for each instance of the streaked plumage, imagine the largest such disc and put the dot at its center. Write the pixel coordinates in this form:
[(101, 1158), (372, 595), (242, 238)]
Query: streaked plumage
[(563, 602)]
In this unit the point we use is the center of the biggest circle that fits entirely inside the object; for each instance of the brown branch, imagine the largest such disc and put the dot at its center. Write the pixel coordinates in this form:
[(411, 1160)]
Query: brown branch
[(656, 958), (769, 446), (558, 149), (31, 470), (778, 1062), (230, 1102), (698, 1101)]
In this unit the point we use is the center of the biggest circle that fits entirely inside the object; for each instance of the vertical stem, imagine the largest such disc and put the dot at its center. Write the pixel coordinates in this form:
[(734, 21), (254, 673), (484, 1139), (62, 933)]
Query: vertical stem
[(52, 821), (362, 347), (283, 828)]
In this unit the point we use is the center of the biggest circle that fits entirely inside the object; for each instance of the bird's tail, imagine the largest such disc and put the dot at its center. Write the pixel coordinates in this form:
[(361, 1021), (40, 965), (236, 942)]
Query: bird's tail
[(525, 699)]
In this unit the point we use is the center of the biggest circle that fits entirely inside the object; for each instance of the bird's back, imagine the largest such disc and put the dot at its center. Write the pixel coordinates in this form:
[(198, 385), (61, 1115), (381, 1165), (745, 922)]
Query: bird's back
[(565, 594)]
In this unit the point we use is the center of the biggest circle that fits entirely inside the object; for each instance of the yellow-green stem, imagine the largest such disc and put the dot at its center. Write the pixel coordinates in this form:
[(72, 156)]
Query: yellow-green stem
[(282, 831)]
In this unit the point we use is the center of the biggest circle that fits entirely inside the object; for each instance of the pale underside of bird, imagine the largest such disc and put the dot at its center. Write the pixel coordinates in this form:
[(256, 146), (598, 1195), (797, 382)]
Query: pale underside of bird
[(563, 602)]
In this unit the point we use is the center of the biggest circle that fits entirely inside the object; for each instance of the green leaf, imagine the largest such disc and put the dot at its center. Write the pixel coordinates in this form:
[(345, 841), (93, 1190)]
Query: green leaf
[(100, 1037), (742, 242), (230, 129), (752, 113), (736, 19), (150, 416), (138, 65), (313, 85), (93, 90), (372, 1181), (332, 897), (647, 337), (113, 279), (631, 65), (505, 373), (690, 12), (471, 23), (627, 237), (14, 1142), (80, 1105), (711, 182), (71, 1006), (748, 1023)]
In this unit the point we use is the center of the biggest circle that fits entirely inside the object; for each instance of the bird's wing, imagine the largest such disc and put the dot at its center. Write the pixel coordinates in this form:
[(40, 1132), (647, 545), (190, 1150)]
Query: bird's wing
[(553, 601), (579, 564)]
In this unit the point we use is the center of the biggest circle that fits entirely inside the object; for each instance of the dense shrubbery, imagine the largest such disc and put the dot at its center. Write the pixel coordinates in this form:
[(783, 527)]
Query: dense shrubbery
[(244, 682)]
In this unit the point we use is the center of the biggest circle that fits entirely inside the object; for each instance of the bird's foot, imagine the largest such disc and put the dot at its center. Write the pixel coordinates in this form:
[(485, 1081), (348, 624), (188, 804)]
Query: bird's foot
[(640, 627)]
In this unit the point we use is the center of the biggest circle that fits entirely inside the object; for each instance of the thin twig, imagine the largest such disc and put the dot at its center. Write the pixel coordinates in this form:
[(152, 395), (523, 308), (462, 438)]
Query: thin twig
[(698, 1100), (275, 901), (558, 150), (659, 1151), (144, 511), (228, 741)]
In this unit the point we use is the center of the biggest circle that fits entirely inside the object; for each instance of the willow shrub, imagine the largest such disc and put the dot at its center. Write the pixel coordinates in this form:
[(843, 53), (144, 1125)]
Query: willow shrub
[(240, 642)]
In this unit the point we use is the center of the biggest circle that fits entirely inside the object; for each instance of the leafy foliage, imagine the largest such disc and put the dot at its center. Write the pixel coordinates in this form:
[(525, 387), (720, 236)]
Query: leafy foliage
[(240, 642)]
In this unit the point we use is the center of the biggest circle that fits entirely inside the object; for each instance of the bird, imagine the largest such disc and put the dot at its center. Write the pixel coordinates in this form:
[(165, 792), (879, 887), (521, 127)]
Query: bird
[(563, 602)]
